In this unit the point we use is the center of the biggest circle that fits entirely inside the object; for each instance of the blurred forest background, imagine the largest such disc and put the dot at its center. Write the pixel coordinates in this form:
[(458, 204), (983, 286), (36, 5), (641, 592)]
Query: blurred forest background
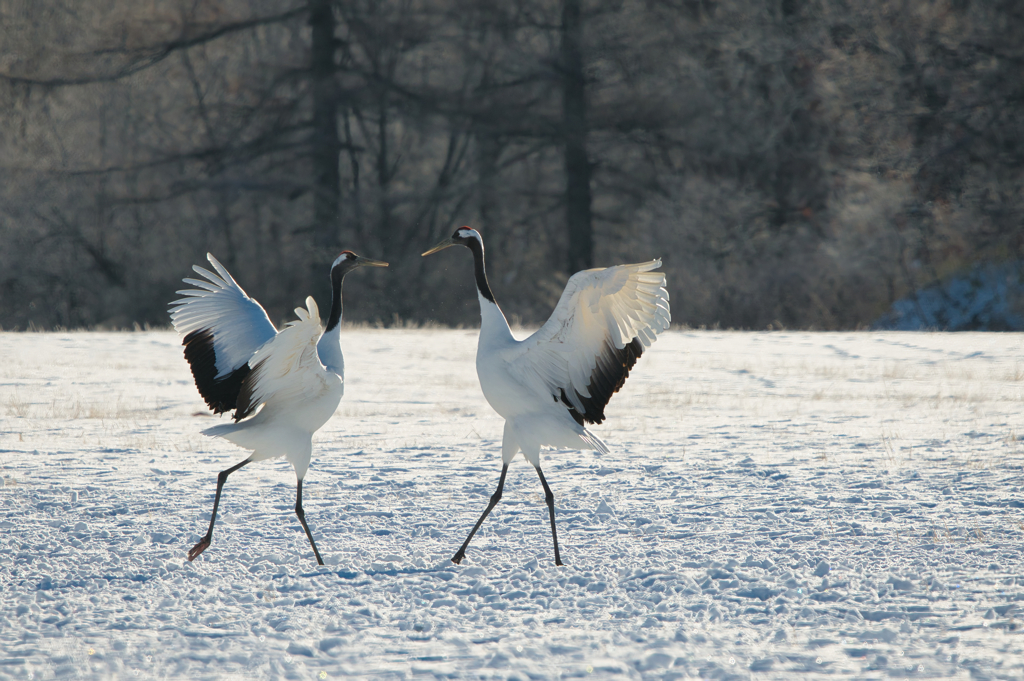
[(796, 163)]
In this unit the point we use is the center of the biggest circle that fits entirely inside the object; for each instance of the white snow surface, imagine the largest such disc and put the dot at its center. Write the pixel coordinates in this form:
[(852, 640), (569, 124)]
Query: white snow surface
[(775, 506)]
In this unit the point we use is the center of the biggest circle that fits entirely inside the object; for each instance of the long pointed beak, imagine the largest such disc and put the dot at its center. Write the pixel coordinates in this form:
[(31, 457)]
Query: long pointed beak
[(440, 247), (366, 262)]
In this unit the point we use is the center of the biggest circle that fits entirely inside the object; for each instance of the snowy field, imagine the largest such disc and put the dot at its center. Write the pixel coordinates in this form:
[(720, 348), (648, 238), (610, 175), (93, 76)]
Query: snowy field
[(775, 506)]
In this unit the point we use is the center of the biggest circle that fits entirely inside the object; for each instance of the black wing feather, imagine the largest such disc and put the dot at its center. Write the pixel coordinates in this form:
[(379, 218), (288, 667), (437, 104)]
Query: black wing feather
[(609, 375), (220, 395), (245, 404)]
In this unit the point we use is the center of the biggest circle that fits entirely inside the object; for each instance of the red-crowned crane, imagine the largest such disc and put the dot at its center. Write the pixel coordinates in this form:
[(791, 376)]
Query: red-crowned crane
[(240, 361), (550, 385)]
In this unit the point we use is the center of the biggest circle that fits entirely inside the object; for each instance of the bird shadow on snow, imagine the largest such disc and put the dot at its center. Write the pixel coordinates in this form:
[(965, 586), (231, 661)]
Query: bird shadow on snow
[(350, 574)]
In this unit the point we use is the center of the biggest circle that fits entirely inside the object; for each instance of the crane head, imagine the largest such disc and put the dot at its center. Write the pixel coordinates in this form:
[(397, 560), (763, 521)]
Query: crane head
[(463, 236), (349, 260)]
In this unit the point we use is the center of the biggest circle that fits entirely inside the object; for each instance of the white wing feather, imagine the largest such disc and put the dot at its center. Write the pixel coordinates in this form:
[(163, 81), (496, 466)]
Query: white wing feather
[(599, 309), (238, 323), (287, 370)]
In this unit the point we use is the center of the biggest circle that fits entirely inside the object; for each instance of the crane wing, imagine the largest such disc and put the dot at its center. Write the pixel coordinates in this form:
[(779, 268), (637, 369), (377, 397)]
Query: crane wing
[(223, 328), (604, 320), (286, 370)]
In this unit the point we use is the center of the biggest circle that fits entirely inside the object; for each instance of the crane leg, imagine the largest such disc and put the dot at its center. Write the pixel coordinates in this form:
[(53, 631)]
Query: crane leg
[(204, 543), (302, 519), (549, 498), (495, 498)]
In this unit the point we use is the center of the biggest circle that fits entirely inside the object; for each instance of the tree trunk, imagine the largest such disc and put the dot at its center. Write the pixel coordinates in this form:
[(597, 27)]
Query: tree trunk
[(488, 150), (324, 142), (574, 130), (385, 225)]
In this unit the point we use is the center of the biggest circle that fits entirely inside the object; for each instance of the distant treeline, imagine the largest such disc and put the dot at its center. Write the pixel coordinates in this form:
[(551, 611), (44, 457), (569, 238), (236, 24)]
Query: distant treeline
[(796, 163)]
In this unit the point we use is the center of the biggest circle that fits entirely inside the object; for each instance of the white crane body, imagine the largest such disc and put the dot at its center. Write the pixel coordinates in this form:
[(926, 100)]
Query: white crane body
[(548, 386), (297, 392), (532, 417), (283, 385)]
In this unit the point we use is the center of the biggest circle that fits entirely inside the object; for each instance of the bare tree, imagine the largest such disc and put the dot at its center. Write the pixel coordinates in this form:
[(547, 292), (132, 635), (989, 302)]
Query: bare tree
[(800, 163)]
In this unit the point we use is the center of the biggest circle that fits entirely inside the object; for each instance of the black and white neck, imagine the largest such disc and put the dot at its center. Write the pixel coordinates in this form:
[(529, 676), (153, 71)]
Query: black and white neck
[(492, 321), (329, 345), (494, 328), (471, 239), (338, 272)]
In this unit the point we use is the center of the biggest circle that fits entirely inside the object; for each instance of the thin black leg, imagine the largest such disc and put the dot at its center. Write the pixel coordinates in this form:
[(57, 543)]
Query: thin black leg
[(549, 497), (495, 498), (204, 543), (302, 519)]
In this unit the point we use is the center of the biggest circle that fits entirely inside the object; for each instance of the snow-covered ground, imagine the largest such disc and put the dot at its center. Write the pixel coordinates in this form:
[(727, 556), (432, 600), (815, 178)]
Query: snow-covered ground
[(776, 505)]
